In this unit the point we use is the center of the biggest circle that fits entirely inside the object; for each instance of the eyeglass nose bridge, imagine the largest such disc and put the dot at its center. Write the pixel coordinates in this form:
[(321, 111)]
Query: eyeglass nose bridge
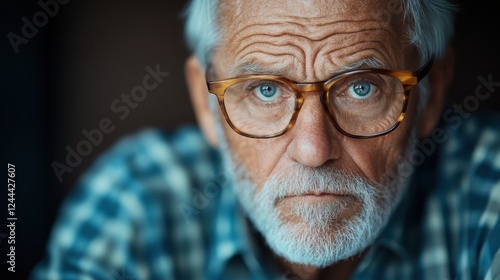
[(301, 88), (318, 87), (310, 87)]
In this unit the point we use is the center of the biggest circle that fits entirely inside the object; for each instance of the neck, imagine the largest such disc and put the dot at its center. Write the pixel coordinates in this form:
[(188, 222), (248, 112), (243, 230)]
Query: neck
[(339, 271)]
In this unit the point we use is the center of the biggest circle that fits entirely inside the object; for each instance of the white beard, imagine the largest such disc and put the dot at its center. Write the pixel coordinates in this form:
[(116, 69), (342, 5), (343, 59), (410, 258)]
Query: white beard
[(322, 237)]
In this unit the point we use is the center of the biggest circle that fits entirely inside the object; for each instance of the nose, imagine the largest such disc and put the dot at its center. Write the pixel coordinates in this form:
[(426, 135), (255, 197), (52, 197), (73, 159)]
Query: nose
[(315, 140)]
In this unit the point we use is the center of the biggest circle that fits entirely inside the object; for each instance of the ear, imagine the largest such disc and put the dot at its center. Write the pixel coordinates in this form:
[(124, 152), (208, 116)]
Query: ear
[(195, 76), (440, 78)]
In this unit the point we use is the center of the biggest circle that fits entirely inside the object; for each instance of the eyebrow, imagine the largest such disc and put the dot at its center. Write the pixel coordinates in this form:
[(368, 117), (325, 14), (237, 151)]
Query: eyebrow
[(250, 67), (367, 62), (253, 68)]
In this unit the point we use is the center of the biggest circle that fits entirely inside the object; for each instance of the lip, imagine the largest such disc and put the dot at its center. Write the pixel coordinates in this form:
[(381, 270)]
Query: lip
[(315, 194), (316, 197), (319, 193)]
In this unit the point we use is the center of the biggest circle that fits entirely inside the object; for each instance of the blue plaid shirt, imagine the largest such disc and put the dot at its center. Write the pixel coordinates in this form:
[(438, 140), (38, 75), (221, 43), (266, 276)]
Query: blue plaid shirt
[(159, 206)]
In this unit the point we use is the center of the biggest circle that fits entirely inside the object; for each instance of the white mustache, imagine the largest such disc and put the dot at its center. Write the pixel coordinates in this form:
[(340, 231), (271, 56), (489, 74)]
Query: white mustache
[(299, 180)]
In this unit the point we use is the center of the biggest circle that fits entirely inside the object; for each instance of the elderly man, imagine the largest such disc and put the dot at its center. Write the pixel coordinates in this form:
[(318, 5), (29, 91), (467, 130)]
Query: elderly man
[(334, 157)]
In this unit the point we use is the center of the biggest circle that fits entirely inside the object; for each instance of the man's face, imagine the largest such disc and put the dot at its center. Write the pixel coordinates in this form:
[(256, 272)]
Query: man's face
[(313, 180)]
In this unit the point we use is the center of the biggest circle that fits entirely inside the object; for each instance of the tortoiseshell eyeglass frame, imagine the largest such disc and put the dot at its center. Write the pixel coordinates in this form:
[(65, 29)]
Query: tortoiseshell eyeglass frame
[(407, 78)]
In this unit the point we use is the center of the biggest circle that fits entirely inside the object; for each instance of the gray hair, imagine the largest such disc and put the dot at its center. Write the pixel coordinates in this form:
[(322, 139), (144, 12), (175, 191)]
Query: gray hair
[(433, 26)]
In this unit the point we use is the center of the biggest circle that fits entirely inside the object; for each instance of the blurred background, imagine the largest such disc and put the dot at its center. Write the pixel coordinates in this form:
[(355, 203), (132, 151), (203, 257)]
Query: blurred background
[(83, 57)]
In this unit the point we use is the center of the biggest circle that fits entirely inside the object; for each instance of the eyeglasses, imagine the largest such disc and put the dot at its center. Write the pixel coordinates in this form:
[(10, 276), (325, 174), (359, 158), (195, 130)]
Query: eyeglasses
[(361, 103)]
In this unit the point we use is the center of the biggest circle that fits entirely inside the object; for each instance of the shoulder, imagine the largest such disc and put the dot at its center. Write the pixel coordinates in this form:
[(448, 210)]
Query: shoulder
[(470, 170), (470, 156), (472, 136), (150, 163), (156, 158), (124, 213), (150, 169)]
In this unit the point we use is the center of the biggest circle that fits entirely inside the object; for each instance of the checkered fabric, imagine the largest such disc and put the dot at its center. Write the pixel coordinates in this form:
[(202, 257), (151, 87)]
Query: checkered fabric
[(159, 205)]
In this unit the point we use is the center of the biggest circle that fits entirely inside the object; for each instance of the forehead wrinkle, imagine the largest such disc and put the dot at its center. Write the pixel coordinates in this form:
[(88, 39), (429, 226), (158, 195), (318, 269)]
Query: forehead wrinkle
[(254, 25), (346, 27), (285, 38), (324, 13), (308, 55), (342, 52), (344, 59), (374, 45), (252, 67), (241, 19), (291, 47), (254, 49), (383, 37), (318, 21), (369, 58)]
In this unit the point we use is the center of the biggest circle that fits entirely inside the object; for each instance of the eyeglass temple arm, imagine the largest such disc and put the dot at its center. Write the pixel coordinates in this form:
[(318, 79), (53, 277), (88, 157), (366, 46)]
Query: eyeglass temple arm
[(424, 70)]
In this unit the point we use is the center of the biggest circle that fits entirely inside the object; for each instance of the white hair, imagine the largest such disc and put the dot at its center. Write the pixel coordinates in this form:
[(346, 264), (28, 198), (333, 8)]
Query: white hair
[(201, 28), (430, 32), (433, 25)]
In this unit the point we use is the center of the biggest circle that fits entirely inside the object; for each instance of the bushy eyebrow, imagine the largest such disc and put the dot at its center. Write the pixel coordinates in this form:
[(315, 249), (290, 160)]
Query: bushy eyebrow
[(367, 62), (251, 67)]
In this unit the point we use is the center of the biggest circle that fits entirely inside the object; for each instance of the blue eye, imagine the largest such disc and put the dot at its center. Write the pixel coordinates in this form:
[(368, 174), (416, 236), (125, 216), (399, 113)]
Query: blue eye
[(267, 92), (361, 90)]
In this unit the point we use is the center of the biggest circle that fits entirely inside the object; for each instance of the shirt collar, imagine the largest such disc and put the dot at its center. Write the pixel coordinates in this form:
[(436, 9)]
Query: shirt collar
[(232, 237), (396, 237), (393, 235)]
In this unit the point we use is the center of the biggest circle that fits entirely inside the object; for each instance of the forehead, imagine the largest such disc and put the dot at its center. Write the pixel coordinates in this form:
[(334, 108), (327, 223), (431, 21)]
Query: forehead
[(310, 33), (306, 8)]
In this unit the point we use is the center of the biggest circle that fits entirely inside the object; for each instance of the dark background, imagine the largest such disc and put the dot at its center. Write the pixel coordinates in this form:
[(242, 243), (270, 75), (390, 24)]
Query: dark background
[(90, 52)]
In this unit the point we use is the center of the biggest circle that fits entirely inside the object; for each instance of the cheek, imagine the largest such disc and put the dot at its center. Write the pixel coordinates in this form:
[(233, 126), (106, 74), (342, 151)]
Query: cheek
[(375, 157), (394, 146), (259, 157)]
